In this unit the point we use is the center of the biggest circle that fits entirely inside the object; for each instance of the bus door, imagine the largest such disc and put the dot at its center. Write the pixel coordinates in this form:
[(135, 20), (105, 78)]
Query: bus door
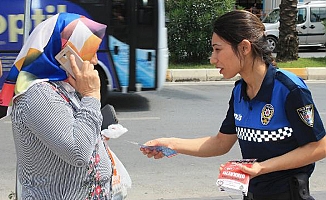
[(133, 42)]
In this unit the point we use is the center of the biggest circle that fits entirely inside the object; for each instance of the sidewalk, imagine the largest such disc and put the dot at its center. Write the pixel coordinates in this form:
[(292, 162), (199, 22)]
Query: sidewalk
[(179, 75), (317, 196)]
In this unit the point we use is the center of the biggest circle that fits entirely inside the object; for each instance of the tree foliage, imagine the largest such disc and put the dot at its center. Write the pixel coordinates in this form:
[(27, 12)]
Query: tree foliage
[(190, 27)]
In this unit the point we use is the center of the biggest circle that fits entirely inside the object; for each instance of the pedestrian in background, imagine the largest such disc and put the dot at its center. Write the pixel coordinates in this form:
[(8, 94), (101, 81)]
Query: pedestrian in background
[(271, 114), (56, 119)]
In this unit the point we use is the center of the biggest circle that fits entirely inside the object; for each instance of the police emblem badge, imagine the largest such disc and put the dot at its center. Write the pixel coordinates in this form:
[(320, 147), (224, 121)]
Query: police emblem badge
[(266, 114), (306, 114)]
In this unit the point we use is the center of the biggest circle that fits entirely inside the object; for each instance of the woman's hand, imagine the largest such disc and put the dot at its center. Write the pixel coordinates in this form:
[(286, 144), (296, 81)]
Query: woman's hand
[(87, 81), (153, 153)]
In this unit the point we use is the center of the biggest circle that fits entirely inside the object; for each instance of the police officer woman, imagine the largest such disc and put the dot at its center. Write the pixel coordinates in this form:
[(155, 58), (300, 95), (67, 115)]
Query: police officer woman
[(271, 114)]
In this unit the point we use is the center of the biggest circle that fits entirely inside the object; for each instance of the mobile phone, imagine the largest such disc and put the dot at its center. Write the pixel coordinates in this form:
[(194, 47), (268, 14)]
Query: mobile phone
[(63, 58)]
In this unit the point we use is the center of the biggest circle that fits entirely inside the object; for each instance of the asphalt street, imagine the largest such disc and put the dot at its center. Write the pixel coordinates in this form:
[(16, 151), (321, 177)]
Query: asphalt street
[(178, 110), (187, 110)]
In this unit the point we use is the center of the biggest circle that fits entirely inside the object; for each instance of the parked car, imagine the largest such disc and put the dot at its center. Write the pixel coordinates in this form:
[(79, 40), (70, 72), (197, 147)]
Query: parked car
[(311, 31)]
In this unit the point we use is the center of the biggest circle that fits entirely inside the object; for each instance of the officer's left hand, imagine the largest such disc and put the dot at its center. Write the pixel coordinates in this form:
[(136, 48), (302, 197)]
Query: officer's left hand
[(253, 171)]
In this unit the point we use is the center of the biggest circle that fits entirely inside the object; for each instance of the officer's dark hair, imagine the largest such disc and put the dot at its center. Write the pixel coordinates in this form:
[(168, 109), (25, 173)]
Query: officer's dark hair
[(238, 25)]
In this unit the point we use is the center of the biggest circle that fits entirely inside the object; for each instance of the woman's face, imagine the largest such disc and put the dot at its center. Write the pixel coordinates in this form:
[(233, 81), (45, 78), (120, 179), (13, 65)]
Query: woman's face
[(224, 58)]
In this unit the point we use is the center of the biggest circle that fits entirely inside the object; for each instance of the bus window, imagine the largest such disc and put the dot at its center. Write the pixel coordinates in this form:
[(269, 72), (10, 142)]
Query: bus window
[(146, 29), (119, 20), (145, 12), (118, 12)]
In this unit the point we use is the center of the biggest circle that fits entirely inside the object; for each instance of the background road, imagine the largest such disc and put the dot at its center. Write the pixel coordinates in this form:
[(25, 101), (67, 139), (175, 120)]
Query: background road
[(179, 110), (308, 53), (184, 110)]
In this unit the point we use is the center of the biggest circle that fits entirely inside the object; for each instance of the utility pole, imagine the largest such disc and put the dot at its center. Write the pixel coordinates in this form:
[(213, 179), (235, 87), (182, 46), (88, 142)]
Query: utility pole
[(27, 19)]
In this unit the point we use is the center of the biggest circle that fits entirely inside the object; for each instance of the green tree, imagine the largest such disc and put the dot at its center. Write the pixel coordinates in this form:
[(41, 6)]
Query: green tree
[(288, 43), (190, 27)]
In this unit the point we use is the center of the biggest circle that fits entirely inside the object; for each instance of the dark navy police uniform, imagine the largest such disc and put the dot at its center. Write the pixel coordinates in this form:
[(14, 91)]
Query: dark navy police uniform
[(281, 118)]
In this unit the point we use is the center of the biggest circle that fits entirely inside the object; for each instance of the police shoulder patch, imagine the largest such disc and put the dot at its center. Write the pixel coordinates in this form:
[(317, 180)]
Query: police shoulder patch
[(306, 114)]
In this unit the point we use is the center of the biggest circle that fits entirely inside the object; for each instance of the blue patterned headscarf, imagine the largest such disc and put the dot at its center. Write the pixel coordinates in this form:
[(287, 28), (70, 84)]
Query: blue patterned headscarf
[(36, 61)]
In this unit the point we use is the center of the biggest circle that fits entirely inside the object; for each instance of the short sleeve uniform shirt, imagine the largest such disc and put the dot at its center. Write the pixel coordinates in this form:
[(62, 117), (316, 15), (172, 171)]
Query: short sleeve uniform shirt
[(281, 118)]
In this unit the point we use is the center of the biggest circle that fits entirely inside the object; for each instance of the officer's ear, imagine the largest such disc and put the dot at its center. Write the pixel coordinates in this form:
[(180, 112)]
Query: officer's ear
[(244, 47)]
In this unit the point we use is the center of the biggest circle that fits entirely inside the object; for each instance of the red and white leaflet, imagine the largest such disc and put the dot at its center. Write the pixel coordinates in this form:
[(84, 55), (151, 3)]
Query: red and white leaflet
[(232, 179)]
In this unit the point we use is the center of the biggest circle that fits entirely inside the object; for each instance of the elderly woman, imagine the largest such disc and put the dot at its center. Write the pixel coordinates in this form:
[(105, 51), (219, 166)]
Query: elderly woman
[(60, 151)]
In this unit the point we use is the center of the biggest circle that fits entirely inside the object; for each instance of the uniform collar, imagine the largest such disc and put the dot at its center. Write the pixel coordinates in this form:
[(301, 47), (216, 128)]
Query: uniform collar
[(266, 89)]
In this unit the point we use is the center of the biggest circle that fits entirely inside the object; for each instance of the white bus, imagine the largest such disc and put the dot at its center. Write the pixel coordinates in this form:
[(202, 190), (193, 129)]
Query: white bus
[(133, 53)]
